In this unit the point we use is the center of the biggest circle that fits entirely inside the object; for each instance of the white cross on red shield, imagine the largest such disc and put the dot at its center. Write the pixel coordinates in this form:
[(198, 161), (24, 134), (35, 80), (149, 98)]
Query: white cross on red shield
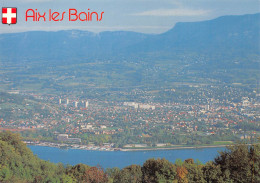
[(9, 15)]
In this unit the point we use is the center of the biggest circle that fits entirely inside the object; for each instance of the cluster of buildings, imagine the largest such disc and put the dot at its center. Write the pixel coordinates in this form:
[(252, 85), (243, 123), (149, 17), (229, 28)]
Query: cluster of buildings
[(139, 105), (65, 138), (75, 103)]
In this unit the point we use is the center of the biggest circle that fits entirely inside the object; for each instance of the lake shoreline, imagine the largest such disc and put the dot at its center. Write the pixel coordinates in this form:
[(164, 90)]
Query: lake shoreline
[(100, 148), (174, 148)]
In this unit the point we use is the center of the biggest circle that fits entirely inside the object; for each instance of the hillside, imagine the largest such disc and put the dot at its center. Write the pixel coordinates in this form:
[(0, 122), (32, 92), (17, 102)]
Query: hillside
[(221, 35), (18, 107), (18, 164)]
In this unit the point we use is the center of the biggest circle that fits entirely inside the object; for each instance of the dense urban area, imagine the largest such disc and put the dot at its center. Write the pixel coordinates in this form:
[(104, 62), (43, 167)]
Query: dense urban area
[(187, 115)]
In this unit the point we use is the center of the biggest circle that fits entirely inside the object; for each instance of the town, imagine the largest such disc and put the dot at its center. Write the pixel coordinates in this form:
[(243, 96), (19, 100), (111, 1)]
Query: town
[(201, 117)]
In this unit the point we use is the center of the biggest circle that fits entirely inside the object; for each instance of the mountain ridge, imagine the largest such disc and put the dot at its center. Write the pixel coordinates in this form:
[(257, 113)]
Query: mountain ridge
[(240, 32)]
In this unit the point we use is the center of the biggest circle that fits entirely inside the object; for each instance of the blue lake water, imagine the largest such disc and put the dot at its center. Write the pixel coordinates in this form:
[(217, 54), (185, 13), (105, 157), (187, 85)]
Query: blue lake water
[(109, 159)]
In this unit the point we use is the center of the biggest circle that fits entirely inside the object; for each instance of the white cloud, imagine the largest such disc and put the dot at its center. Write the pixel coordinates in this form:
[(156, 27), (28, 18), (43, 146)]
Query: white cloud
[(173, 12)]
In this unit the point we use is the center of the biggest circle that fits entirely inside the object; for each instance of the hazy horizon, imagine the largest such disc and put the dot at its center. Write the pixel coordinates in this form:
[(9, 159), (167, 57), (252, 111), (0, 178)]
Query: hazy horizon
[(147, 16)]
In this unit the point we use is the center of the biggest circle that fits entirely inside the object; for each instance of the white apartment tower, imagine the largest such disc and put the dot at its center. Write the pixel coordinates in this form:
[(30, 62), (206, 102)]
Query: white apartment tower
[(76, 104), (86, 104)]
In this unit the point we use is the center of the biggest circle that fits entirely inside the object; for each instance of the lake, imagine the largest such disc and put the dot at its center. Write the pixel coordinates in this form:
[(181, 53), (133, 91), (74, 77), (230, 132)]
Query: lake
[(109, 159)]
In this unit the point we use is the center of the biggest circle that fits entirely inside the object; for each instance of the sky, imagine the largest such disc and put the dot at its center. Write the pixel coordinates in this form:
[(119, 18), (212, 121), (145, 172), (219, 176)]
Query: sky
[(146, 16)]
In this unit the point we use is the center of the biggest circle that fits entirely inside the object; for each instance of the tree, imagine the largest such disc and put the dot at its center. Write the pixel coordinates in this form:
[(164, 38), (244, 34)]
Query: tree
[(181, 174), (160, 170), (18, 164), (178, 162), (195, 173), (112, 173), (78, 172), (241, 162), (189, 161), (95, 175), (130, 174), (212, 173), (254, 153)]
